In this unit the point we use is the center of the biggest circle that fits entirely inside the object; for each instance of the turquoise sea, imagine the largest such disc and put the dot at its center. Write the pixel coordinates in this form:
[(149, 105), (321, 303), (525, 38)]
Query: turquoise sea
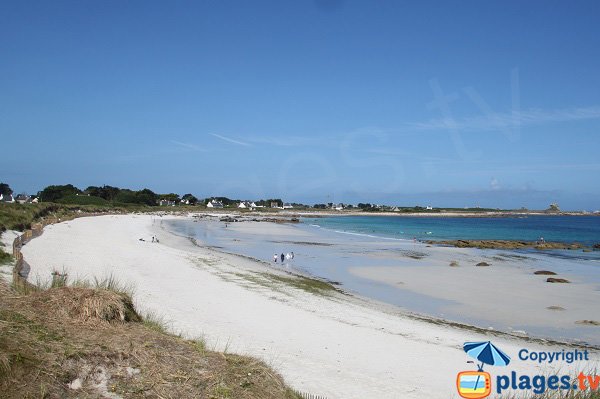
[(568, 229)]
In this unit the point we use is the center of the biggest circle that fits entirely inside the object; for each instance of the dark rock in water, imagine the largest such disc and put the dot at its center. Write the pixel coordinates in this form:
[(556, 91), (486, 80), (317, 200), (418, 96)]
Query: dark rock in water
[(557, 280), (507, 244), (588, 322), (545, 273), (454, 263), (482, 264), (587, 250), (555, 308), (597, 246)]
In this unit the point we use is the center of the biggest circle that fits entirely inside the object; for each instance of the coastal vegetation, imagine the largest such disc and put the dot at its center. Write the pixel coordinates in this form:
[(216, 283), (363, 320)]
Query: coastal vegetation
[(4, 256), (90, 342)]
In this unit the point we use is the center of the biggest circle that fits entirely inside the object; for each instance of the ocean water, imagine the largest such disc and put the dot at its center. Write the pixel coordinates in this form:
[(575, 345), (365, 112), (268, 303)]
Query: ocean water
[(567, 229)]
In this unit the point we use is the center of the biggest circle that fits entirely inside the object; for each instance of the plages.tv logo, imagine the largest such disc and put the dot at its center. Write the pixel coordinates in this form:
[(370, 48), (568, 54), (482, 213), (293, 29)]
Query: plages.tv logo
[(478, 384)]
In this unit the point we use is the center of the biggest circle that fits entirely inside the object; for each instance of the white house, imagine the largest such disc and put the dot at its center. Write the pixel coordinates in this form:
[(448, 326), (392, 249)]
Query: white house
[(7, 198), (23, 198), (429, 208), (214, 204), (287, 205), (166, 202), (339, 207), (246, 205)]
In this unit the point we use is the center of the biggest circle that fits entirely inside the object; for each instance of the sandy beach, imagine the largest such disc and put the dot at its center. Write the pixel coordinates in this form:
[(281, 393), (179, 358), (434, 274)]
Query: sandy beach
[(336, 345)]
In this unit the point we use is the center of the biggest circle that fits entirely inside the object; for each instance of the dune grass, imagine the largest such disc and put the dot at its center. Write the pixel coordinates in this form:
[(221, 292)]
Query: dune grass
[(5, 257), (155, 322), (22, 216), (79, 336)]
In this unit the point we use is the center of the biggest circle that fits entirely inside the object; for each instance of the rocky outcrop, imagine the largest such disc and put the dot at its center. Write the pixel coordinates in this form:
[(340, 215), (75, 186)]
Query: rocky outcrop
[(506, 244), (482, 264), (588, 322), (545, 273), (557, 280)]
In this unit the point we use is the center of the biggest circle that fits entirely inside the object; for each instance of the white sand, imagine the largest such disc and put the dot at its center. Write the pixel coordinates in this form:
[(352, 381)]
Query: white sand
[(340, 347), (493, 293)]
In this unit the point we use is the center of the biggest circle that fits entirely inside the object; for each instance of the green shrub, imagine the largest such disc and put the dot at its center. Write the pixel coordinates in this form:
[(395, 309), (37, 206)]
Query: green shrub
[(83, 200)]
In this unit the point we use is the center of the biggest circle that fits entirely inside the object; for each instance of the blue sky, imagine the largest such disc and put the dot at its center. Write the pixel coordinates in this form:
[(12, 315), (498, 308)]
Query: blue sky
[(443, 103)]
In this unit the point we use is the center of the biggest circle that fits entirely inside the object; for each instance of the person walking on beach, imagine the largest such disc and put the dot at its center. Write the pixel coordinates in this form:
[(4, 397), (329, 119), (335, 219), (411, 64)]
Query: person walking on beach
[(292, 255), (275, 258), (282, 257)]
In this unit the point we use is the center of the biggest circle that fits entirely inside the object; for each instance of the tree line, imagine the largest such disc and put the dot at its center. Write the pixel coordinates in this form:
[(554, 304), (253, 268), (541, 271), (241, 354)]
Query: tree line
[(110, 195)]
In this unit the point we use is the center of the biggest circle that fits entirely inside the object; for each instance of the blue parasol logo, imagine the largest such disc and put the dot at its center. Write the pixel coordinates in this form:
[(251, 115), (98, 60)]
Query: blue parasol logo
[(486, 353), (478, 384)]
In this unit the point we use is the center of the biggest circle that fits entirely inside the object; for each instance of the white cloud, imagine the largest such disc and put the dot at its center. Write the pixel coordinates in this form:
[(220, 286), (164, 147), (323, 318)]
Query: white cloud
[(230, 140), (499, 121)]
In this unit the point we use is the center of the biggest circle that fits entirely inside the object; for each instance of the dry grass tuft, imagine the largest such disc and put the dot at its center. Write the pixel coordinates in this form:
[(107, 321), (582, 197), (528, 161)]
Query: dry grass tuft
[(89, 304)]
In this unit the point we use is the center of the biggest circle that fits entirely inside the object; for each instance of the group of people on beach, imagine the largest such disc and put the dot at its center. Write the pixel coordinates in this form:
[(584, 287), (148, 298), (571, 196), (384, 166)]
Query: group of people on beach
[(154, 239), (288, 256)]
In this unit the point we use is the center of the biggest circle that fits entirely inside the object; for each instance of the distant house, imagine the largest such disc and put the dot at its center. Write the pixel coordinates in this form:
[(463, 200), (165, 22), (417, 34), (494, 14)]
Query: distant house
[(396, 209), (7, 198), (429, 208), (243, 205), (274, 204), (214, 204), (166, 202), (23, 198), (339, 207), (246, 205), (287, 205)]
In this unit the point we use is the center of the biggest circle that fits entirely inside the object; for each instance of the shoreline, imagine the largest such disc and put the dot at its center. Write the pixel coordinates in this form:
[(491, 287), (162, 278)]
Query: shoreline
[(417, 277), (395, 310), (323, 345)]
